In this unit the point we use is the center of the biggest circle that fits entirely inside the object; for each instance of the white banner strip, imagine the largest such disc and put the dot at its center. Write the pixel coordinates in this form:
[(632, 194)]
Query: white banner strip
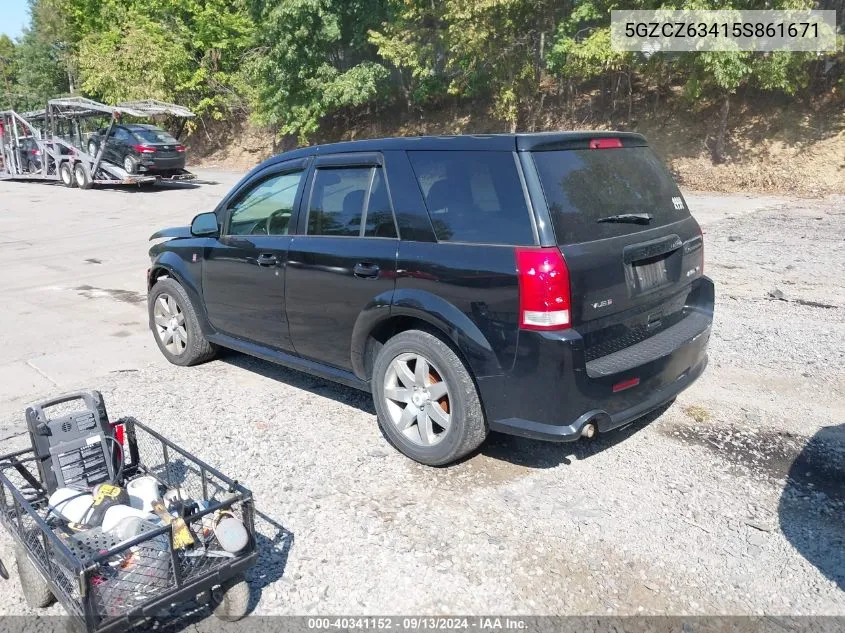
[(690, 31)]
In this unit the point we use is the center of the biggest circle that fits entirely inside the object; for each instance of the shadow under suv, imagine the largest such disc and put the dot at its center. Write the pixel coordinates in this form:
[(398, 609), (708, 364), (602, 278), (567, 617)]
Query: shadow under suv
[(544, 285)]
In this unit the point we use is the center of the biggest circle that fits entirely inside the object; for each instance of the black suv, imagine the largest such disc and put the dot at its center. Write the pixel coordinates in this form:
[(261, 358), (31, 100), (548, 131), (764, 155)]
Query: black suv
[(140, 149), (544, 285)]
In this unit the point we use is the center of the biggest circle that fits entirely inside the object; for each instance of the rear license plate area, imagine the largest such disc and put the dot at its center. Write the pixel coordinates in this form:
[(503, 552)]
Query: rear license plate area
[(650, 273)]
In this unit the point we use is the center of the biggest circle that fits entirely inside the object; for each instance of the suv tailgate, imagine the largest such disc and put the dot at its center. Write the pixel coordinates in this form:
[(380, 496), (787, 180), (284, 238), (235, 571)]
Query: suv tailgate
[(633, 250)]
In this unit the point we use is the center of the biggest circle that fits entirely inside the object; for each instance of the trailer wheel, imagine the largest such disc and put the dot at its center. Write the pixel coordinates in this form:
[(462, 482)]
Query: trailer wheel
[(230, 601), (66, 174), (82, 175), (36, 591)]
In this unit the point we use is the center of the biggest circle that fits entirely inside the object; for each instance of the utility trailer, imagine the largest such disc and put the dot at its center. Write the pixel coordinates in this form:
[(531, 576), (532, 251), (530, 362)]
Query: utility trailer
[(50, 145)]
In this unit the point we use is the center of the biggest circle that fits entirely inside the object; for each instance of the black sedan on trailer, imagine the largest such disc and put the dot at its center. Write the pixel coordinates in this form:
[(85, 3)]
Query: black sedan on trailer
[(140, 149)]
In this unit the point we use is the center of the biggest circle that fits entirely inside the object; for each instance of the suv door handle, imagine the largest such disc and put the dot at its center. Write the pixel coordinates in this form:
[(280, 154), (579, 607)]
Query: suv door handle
[(366, 270), (267, 259)]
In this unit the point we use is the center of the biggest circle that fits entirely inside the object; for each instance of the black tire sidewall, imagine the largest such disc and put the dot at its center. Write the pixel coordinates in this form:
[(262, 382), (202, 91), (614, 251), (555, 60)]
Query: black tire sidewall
[(192, 354), (458, 380)]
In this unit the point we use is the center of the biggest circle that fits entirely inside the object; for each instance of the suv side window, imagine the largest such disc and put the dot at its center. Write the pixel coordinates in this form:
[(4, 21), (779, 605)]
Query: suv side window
[(378, 220), (342, 198), (265, 208), (474, 197)]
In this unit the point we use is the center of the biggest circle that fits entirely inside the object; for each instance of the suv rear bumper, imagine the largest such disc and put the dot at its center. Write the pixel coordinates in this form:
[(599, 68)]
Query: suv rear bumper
[(552, 393), (603, 421)]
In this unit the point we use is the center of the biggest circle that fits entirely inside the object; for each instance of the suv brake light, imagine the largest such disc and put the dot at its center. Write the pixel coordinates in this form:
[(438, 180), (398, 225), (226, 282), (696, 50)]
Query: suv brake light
[(544, 300), (605, 143), (143, 149)]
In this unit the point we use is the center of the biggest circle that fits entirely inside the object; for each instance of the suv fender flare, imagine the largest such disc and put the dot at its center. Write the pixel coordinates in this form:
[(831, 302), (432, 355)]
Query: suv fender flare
[(175, 267), (437, 312)]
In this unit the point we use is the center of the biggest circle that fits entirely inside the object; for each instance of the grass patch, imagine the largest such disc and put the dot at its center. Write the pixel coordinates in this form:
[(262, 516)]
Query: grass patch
[(698, 413)]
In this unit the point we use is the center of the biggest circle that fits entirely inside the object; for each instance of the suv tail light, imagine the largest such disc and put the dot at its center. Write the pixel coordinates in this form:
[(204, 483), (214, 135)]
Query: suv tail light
[(544, 302), (143, 149)]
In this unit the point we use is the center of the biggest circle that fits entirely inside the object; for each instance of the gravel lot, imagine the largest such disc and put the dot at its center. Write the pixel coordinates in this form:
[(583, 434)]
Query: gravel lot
[(732, 501)]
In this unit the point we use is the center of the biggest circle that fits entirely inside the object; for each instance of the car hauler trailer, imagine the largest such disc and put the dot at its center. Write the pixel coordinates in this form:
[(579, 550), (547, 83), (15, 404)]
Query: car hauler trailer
[(48, 144)]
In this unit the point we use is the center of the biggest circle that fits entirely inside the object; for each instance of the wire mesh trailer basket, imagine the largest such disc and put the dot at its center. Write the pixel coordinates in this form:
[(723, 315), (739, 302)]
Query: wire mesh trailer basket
[(107, 585)]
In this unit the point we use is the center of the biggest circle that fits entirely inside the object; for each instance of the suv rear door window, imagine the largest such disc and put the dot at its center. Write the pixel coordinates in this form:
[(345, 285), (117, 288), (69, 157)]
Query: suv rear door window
[(474, 197), (584, 186), (379, 218), (352, 202), (337, 201)]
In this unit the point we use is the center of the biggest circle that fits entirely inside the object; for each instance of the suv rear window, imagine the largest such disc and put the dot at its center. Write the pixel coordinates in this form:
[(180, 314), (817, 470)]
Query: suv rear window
[(474, 197), (583, 186)]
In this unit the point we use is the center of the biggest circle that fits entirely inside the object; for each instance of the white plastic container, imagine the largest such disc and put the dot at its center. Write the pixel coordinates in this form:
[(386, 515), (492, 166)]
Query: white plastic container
[(72, 505), (117, 513), (143, 492)]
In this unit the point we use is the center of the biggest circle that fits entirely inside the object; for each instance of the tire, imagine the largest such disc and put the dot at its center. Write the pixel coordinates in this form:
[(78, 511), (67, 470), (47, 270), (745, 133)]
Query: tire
[(467, 428), (230, 601), (82, 175), (195, 349), (36, 591), (130, 164), (31, 167), (92, 148), (66, 175)]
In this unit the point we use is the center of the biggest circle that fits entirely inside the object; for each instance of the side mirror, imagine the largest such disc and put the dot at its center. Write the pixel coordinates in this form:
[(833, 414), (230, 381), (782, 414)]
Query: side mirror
[(205, 225)]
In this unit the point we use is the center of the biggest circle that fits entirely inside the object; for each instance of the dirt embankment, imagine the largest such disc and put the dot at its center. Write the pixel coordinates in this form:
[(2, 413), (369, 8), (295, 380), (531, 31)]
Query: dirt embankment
[(782, 145)]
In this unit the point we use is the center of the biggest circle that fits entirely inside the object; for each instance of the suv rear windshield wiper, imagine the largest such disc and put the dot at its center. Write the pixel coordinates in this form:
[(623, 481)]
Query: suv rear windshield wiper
[(633, 218)]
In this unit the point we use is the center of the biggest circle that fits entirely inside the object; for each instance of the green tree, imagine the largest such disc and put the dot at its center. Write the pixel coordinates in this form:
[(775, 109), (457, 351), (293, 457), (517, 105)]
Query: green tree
[(181, 50), (135, 58), (312, 59), (7, 72), (39, 74), (472, 48)]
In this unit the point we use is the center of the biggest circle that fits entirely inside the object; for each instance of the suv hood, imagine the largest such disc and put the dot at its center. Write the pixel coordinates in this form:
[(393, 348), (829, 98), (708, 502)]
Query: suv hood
[(175, 232)]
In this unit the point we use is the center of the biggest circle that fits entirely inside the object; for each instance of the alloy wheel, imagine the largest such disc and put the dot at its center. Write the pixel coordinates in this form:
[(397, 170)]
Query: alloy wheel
[(417, 399), (170, 324)]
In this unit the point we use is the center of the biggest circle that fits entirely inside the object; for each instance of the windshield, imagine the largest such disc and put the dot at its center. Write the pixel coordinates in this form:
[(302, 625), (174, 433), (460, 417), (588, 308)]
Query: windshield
[(584, 186), (153, 135)]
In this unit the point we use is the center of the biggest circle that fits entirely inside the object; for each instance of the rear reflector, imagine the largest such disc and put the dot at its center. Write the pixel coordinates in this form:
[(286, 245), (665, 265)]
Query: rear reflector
[(605, 143), (543, 289), (701, 233), (626, 384)]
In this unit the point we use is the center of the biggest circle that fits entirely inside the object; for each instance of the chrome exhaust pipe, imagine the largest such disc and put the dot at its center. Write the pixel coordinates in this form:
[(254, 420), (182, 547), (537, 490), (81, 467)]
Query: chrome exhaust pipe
[(589, 431)]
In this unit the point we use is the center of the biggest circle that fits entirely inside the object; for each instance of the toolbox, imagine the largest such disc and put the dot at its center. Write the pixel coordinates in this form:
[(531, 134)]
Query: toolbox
[(109, 581)]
